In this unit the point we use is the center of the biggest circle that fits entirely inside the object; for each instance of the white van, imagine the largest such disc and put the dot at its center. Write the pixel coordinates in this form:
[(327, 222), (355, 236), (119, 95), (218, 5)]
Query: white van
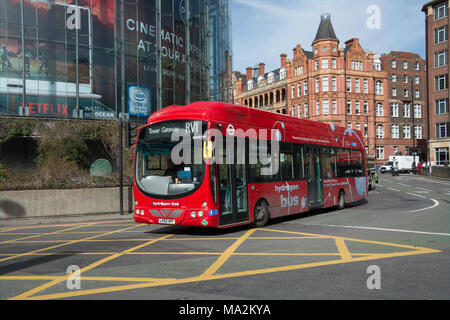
[(404, 163)]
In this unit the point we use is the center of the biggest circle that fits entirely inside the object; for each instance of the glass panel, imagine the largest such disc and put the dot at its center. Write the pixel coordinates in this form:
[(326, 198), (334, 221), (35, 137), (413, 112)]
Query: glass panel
[(225, 189), (157, 172)]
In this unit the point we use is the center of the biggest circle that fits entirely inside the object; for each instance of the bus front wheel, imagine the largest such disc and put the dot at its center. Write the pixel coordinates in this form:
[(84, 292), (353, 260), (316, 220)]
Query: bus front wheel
[(261, 214)]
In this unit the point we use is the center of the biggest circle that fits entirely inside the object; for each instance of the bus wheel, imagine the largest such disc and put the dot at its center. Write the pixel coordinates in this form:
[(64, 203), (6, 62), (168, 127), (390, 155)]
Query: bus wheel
[(261, 214), (341, 203)]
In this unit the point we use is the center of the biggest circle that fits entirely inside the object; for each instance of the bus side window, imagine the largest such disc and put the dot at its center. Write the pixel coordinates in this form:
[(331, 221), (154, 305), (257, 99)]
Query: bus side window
[(328, 163), (287, 161), (299, 170)]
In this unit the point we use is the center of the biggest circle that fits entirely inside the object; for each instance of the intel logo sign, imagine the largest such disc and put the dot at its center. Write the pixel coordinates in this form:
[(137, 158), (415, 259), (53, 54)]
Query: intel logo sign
[(140, 95)]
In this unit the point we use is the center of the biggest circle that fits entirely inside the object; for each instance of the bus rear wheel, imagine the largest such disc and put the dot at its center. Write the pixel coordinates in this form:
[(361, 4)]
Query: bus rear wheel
[(341, 201), (261, 214)]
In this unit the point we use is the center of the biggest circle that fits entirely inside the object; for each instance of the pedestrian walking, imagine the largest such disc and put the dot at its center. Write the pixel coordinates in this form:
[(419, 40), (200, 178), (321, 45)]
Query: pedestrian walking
[(420, 168)]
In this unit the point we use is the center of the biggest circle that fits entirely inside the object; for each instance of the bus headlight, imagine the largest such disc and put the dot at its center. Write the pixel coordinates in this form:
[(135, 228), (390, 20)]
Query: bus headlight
[(200, 214), (142, 212), (137, 212), (193, 214), (204, 204)]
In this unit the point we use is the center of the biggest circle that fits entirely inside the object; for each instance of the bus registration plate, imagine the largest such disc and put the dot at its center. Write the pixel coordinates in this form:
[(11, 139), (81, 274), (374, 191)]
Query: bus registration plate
[(166, 221)]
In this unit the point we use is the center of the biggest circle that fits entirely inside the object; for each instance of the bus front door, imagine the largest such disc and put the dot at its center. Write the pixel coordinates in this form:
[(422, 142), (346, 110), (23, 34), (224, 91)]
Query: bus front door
[(233, 190), (313, 174)]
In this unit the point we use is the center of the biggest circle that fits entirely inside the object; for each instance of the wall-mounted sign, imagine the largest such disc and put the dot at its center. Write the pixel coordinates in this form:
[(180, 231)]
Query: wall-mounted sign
[(139, 101)]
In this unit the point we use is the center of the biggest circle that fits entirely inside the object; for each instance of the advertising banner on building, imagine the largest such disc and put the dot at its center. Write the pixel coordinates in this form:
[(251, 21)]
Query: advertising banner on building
[(139, 101), (72, 56)]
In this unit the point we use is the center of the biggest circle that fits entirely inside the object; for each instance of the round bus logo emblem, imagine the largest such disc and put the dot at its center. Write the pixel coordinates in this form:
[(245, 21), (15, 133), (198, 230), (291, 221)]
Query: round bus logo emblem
[(231, 130)]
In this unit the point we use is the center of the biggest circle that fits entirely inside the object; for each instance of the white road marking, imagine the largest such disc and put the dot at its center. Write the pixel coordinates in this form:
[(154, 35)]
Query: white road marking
[(415, 194), (424, 189), (381, 229), (436, 203)]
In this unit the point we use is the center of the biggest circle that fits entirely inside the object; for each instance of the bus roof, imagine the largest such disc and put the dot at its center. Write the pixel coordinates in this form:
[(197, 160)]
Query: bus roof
[(293, 129)]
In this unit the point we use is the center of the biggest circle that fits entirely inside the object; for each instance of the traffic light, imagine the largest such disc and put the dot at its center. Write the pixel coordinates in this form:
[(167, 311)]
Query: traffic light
[(131, 132)]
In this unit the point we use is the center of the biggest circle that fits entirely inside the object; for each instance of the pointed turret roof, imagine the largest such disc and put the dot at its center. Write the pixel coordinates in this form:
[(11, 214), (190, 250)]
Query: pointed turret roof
[(325, 30)]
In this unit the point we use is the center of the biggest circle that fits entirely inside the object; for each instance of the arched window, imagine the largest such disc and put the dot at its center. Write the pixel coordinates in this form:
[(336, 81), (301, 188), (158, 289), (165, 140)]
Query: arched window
[(379, 87), (380, 131), (379, 111)]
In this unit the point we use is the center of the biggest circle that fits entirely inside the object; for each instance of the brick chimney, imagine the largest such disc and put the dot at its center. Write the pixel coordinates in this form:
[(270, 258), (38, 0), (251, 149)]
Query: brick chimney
[(262, 69), (283, 57), (249, 74)]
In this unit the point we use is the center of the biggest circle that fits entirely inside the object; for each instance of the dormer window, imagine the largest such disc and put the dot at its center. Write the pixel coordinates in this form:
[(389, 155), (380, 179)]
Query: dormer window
[(282, 74), (271, 77), (260, 79), (250, 84)]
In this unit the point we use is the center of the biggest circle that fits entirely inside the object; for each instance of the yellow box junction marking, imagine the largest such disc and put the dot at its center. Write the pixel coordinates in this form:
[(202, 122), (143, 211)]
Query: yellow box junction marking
[(342, 255)]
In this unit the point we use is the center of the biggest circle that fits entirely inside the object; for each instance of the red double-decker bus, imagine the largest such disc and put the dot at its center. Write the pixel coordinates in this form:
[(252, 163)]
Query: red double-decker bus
[(309, 165)]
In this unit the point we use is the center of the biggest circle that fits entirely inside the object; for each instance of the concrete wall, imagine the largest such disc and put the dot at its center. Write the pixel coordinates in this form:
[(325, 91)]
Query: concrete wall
[(441, 172), (61, 203)]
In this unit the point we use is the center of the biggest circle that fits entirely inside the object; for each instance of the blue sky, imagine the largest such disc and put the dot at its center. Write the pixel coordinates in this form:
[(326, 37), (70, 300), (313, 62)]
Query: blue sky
[(263, 29)]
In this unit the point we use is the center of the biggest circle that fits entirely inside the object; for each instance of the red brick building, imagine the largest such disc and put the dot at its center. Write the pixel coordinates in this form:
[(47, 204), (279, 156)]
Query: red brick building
[(346, 86), (406, 101), (437, 47)]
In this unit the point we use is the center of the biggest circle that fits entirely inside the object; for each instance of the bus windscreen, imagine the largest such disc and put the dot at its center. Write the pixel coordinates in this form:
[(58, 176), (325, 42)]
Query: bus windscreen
[(158, 173)]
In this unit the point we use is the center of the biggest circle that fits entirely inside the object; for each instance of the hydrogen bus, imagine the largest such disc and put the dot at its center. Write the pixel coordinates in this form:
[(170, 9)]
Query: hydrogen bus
[(308, 165)]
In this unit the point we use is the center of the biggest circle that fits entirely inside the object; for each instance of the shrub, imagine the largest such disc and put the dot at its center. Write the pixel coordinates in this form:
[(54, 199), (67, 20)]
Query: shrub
[(2, 173), (70, 150)]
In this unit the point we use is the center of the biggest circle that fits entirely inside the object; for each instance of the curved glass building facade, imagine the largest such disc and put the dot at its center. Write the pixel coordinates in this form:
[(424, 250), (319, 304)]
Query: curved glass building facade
[(97, 59)]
